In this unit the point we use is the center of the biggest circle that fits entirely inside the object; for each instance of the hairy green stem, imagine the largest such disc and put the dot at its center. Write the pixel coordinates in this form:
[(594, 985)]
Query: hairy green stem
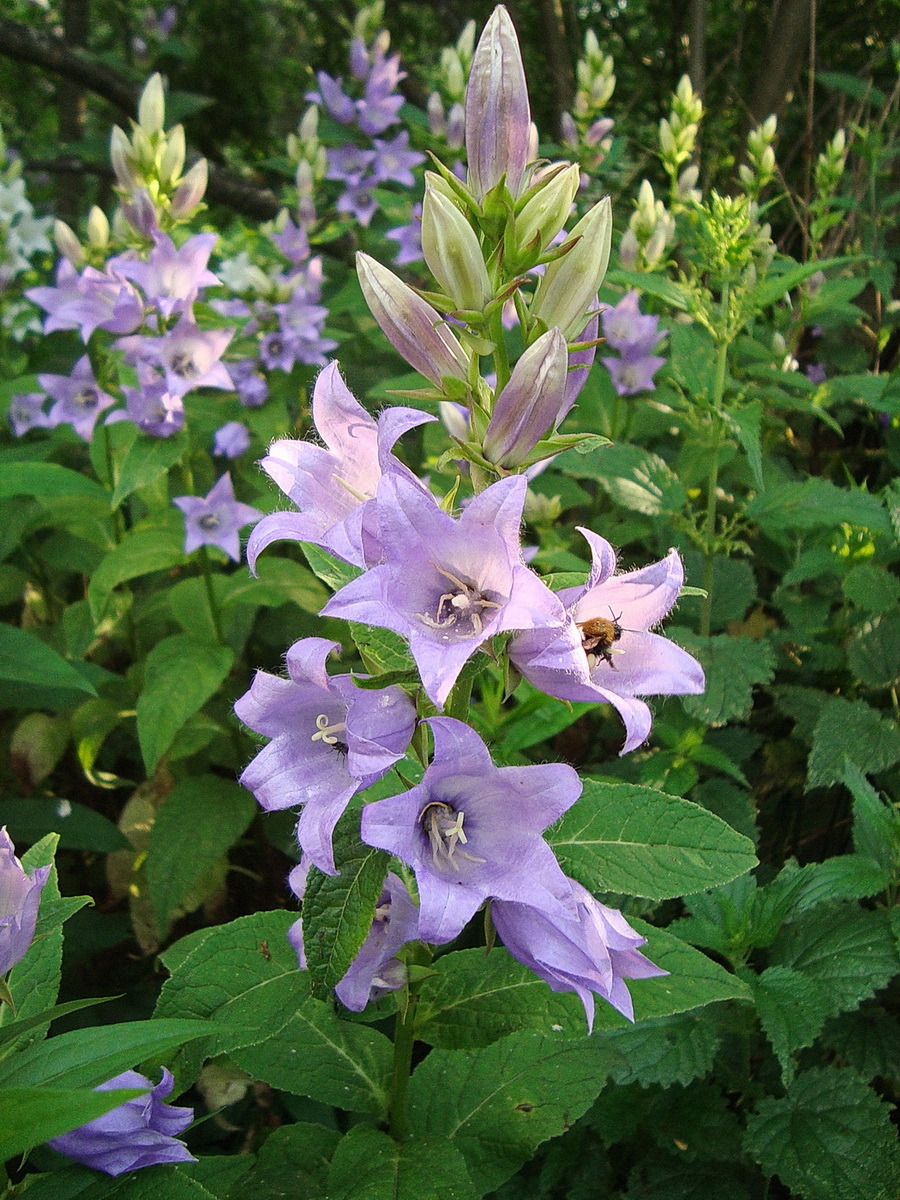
[(712, 483), (404, 1038), (211, 596)]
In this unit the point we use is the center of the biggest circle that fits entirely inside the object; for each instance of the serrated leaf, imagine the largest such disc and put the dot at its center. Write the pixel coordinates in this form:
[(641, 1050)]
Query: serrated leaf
[(733, 588), (32, 1115), (693, 360), (654, 285), (868, 1041), (817, 504), (620, 837), (280, 581), (180, 675), (849, 951), (666, 1050), (876, 823), (331, 570), (733, 667), (792, 1011), (370, 1165), (143, 551), (292, 1162), (634, 478), (873, 653), (850, 729), (381, 649), (828, 1138), (338, 909), (748, 425), (204, 812), (871, 588), (147, 459), (498, 1103)]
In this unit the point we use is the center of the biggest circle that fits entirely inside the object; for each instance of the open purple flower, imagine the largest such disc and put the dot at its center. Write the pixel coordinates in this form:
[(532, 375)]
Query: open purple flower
[(189, 356), (448, 585), (20, 897), (79, 400), (231, 439), (596, 953), (26, 411), (606, 653), (472, 831), (393, 161), (89, 301), (214, 519), (152, 407), (334, 487), (171, 277), (329, 740), (139, 1133), (629, 330), (632, 374)]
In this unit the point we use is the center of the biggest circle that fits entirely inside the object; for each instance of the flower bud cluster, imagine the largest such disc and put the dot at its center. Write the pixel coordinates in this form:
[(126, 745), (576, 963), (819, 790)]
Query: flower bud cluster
[(759, 171), (446, 113), (149, 167), (678, 132), (650, 232), (305, 150), (585, 131)]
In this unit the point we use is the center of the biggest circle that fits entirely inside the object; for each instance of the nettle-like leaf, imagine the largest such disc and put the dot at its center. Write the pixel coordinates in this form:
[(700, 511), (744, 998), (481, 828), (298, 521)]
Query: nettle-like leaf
[(338, 909), (620, 837), (370, 1165), (146, 461), (876, 822), (666, 1050), (849, 951), (292, 1161), (180, 675), (872, 588), (817, 504), (792, 1010), (635, 478), (203, 812), (498, 1103), (867, 1040), (381, 650), (873, 653), (828, 1138), (850, 729), (331, 570), (733, 667)]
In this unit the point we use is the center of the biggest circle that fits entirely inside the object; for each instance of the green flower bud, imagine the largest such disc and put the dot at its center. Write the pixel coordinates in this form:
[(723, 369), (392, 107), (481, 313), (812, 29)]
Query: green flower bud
[(98, 228), (152, 106), (452, 251), (569, 285), (548, 210)]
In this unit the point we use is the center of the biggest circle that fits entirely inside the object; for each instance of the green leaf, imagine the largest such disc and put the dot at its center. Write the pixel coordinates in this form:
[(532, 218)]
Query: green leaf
[(666, 1050), (693, 360), (11, 1030), (851, 730), (748, 424), (370, 1165), (147, 459), (873, 653), (34, 981), (654, 285), (206, 813), (498, 1103), (141, 552), (28, 665), (32, 1115), (634, 478), (733, 667), (86, 1057), (876, 823), (733, 588), (338, 910), (849, 951), (620, 837), (776, 283), (828, 1138), (280, 581), (292, 1162), (382, 650), (792, 1010), (333, 571), (180, 675), (79, 827), (47, 481), (868, 1041), (871, 588), (817, 504)]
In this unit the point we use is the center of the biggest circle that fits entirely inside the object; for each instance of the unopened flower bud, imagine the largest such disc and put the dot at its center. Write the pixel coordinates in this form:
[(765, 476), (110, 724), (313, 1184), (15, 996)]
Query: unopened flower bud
[(437, 121), (152, 106), (548, 210), (456, 126), (120, 156), (629, 249), (68, 244), (191, 190), (569, 284), (97, 228), (465, 43), (416, 331), (531, 404), (172, 160), (453, 253), (308, 129), (568, 131), (140, 212), (498, 116)]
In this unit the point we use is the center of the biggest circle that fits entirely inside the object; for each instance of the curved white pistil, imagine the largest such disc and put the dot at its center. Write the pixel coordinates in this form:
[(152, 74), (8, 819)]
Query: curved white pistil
[(325, 732)]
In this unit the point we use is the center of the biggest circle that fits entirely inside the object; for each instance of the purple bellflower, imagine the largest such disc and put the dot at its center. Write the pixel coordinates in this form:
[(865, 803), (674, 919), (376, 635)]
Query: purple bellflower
[(26, 411), (334, 487), (214, 520), (329, 740), (190, 357), (152, 407), (89, 301), (20, 897), (349, 163), (139, 1133), (376, 970), (596, 953), (335, 100), (231, 439), (171, 277), (408, 238), (472, 831), (629, 330), (358, 201), (447, 585), (606, 653), (381, 103), (393, 161), (632, 374), (79, 401)]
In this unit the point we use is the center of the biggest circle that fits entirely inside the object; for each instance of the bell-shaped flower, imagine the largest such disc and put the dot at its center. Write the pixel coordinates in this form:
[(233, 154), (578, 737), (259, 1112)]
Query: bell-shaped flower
[(595, 953), (606, 652), (152, 407), (498, 115), (333, 487), (472, 831), (531, 404), (20, 897), (329, 740), (89, 301), (214, 519), (448, 585), (139, 1133), (79, 400), (417, 331), (189, 356), (171, 277)]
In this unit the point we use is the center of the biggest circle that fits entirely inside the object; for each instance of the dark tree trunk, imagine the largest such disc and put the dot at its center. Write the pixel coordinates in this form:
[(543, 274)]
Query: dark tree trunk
[(71, 108), (783, 55), (558, 59)]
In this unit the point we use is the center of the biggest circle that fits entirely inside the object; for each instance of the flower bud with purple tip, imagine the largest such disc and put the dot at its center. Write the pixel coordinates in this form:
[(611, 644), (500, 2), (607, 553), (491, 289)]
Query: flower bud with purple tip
[(20, 896), (531, 404), (498, 115)]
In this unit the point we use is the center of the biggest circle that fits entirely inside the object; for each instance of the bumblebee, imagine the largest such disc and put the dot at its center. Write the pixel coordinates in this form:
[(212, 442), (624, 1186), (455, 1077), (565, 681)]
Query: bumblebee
[(598, 636)]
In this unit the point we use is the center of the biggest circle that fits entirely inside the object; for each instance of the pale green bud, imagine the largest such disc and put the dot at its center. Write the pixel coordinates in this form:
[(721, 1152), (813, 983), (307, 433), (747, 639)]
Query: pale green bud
[(667, 139), (191, 190), (839, 143), (591, 45), (547, 211), (172, 161), (308, 129), (570, 283), (747, 177), (629, 250), (465, 43), (769, 127), (455, 77), (152, 106), (97, 228), (453, 253), (67, 243)]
